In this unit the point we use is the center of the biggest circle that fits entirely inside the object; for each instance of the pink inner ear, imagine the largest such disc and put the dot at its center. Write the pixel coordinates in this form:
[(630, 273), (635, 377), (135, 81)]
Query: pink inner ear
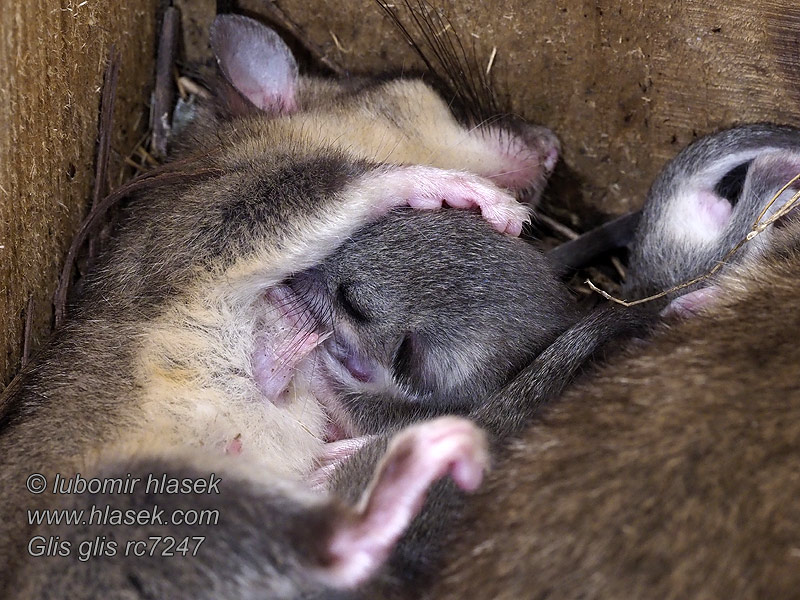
[(254, 59), (713, 210)]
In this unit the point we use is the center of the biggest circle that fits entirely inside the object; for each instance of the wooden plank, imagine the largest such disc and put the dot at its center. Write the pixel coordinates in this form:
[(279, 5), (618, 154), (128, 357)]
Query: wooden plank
[(52, 58)]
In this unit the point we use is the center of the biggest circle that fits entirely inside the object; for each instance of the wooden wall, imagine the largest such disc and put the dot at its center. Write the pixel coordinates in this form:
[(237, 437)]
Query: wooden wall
[(52, 58)]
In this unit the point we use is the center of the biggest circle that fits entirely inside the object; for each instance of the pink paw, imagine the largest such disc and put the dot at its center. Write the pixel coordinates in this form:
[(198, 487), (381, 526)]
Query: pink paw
[(428, 188), (692, 303), (520, 161), (274, 362), (447, 445), (415, 459)]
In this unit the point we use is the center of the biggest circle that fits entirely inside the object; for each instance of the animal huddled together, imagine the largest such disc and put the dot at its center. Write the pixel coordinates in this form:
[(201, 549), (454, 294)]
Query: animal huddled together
[(299, 347)]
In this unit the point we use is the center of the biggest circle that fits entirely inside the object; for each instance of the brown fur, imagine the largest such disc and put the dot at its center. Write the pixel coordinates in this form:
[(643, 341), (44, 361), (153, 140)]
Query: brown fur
[(672, 474), (156, 353)]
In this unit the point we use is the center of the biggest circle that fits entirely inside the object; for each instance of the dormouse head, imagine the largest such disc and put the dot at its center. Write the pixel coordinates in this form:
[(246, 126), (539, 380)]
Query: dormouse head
[(707, 200), (396, 121), (431, 309)]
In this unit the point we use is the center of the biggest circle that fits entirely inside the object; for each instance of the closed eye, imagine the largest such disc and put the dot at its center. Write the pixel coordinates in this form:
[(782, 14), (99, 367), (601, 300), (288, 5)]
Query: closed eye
[(349, 306), (409, 372)]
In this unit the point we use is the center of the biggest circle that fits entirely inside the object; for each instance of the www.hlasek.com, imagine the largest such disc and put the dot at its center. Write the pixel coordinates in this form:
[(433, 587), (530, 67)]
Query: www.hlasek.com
[(102, 515)]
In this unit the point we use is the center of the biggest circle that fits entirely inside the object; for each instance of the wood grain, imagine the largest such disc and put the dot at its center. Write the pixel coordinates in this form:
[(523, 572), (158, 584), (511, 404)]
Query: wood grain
[(52, 58)]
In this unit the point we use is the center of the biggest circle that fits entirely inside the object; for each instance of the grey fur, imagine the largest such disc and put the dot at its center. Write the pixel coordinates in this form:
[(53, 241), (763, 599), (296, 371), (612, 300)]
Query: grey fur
[(450, 309), (265, 542), (565, 497), (660, 257), (504, 413), (263, 198), (671, 473), (191, 525)]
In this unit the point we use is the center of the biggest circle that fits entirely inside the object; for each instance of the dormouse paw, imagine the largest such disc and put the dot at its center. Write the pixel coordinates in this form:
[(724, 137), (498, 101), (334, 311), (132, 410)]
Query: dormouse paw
[(445, 446), (416, 458), (429, 188), (520, 160)]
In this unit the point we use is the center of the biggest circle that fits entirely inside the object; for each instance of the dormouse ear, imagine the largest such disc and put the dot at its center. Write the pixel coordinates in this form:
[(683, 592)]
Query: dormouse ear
[(768, 174), (256, 61)]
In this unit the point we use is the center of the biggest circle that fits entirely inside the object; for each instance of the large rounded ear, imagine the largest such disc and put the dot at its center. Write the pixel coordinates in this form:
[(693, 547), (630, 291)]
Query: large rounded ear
[(768, 174), (256, 62)]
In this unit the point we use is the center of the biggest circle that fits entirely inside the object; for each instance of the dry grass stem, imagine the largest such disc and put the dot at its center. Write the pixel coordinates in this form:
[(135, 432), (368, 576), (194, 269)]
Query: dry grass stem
[(339, 46), (758, 227), (27, 336), (491, 60), (557, 226), (620, 268)]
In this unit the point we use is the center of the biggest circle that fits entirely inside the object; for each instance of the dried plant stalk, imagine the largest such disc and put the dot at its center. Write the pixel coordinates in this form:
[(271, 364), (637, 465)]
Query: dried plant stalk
[(757, 227)]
